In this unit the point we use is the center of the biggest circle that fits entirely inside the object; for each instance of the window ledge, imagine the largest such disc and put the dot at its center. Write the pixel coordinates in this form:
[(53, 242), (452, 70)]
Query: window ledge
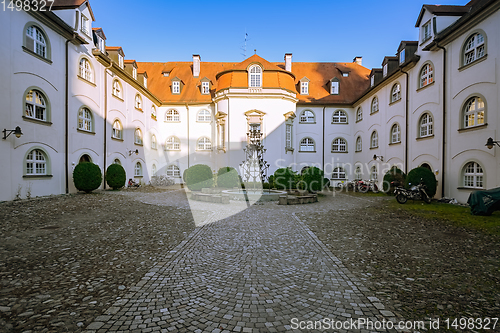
[(395, 143), (427, 85), (172, 149), (470, 188), (36, 55), (358, 151), (373, 112), (116, 139), (138, 176), (37, 121), (168, 121), (139, 109), (473, 128), (84, 131), (391, 103), (425, 137), (340, 123), (357, 121), (206, 122), (464, 67), (153, 117), (37, 176), (138, 144), (339, 152), (204, 150), (117, 97), (87, 81), (307, 122), (375, 147), (300, 151)]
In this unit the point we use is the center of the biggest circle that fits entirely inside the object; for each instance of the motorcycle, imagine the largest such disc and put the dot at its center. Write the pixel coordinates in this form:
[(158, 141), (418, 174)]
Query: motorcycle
[(364, 186), (416, 192)]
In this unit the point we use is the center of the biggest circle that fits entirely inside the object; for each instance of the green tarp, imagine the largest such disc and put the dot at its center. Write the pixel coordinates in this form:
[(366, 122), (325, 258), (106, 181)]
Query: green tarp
[(484, 202)]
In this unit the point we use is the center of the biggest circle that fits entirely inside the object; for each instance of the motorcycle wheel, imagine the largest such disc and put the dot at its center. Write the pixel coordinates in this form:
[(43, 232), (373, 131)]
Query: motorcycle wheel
[(426, 197), (401, 198), (363, 189), (375, 188)]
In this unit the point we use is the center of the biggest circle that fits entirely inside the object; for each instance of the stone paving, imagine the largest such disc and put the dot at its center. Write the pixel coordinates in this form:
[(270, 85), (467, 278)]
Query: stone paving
[(260, 270)]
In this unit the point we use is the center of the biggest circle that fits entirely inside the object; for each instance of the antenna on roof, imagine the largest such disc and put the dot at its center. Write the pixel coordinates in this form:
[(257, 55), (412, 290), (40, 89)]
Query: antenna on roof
[(244, 48)]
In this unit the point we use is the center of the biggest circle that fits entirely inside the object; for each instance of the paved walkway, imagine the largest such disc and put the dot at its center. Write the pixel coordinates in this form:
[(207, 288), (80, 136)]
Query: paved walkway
[(261, 270)]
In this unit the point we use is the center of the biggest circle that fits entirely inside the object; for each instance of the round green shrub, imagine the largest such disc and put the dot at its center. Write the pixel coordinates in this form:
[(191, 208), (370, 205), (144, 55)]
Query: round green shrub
[(312, 179), (198, 176), (87, 177), (394, 174), (228, 177), (285, 179), (115, 176), (427, 176), (271, 181)]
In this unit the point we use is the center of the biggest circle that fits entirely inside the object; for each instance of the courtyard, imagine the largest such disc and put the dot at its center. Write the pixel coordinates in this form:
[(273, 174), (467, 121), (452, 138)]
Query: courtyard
[(150, 260)]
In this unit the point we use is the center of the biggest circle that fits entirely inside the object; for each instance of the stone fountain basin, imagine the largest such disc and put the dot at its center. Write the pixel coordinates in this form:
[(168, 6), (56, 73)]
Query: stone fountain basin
[(254, 195)]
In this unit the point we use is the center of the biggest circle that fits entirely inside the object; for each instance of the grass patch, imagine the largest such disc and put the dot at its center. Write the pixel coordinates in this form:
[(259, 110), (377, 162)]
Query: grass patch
[(457, 215)]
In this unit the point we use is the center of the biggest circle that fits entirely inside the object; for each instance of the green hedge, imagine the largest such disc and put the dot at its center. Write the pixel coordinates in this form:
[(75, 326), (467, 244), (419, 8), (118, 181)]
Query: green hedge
[(285, 179), (198, 176), (312, 179), (228, 177), (87, 177), (394, 174), (115, 176), (426, 175)]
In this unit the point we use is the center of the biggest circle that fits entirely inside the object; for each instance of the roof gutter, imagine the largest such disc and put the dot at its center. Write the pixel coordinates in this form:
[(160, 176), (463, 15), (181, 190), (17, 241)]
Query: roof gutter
[(407, 102), (66, 112), (443, 157), (105, 141)]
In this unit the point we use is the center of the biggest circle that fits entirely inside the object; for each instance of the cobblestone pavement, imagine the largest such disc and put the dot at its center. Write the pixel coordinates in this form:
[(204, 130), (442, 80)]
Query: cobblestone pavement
[(261, 270)]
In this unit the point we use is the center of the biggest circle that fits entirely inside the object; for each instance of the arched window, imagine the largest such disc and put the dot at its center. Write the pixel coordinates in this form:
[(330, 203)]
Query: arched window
[(307, 144), (36, 163), (153, 141), (426, 75), (473, 112), (307, 116), (117, 130), (85, 120), (204, 116), (153, 112), (255, 77), (86, 70), (426, 125), (396, 93), (339, 117), (339, 145), (138, 102), (173, 171), (138, 136), (359, 114), (85, 158), (374, 173), (204, 144), (117, 161), (36, 41), (173, 143), (138, 169), (474, 48), (172, 116), (358, 174), (395, 134), (117, 89), (36, 106), (374, 105), (374, 140), (338, 173), (359, 144), (153, 170), (473, 175)]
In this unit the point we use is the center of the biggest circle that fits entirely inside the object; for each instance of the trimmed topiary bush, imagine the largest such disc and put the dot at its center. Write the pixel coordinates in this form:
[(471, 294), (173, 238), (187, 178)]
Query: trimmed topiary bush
[(394, 174), (115, 176), (312, 179), (426, 175), (285, 179), (228, 177), (198, 176), (87, 177)]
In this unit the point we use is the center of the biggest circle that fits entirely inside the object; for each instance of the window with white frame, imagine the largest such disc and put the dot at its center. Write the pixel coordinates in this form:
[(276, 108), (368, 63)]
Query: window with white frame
[(85, 120), (153, 112), (402, 56), (153, 170), (36, 106), (374, 173), (153, 141), (173, 171), (134, 73), (173, 143), (204, 116), (384, 70), (426, 31), (372, 80), (358, 174), (304, 88), (172, 116), (359, 144), (426, 125), (255, 77), (473, 112), (307, 144), (359, 114), (288, 136), (176, 87), (307, 116), (374, 107), (473, 175), (374, 140), (334, 87), (338, 173), (204, 144), (85, 25), (426, 75), (205, 87), (339, 117), (101, 44), (138, 102), (117, 132), (120, 60), (474, 48), (86, 70), (339, 145), (395, 133), (396, 93), (35, 41), (36, 163), (117, 89), (138, 136), (138, 169)]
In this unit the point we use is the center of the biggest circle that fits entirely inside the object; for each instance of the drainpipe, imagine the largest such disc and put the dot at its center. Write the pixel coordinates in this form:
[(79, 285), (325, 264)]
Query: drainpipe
[(187, 108), (66, 114), (406, 121), (106, 117), (443, 161), (323, 155)]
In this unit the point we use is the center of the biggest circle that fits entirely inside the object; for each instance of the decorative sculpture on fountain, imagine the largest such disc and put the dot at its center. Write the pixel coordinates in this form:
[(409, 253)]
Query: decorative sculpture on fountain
[(254, 168)]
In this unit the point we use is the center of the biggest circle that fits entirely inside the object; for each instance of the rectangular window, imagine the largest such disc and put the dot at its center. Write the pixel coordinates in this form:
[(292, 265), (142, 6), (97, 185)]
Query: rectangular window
[(426, 31), (85, 25), (345, 74), (372, 80), (304, 88), (176, 87), (205, 88), (385, 70), (402, 56), (120, 61), (134, 73), (288, 136), (334, 88)]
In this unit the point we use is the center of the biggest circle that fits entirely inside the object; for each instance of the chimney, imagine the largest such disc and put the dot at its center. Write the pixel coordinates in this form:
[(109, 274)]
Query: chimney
[(196, 65), (358, 60), (288, 62)]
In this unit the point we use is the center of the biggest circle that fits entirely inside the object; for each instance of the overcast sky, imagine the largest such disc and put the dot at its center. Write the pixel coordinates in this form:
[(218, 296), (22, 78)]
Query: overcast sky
[(313, 31)]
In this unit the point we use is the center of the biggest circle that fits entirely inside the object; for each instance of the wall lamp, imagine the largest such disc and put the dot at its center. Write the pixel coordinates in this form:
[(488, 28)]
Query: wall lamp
[(490, 143), (378, 157), (130, 152), (17, 132)]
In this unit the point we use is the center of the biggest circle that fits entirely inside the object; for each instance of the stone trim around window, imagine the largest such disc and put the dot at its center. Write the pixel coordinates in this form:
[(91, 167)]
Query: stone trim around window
[(37, 121)]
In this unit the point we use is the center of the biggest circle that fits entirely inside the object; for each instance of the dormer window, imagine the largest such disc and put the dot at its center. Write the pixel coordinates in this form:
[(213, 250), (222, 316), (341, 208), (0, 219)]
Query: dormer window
[(304, 88), (385, 69), (176, 87), (205, 88), (255, 77), (334, 86), (346, 74), (134, 73), (145, 82), (426, 31), (402, 56), (372, 80), (85, 25), (120, 60)]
